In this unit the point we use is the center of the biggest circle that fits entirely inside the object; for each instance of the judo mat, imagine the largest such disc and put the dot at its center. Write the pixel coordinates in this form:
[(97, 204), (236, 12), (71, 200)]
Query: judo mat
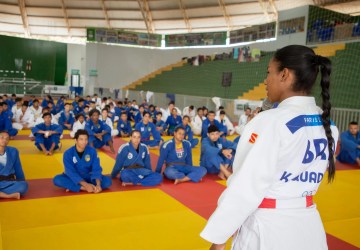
[(167, 216)]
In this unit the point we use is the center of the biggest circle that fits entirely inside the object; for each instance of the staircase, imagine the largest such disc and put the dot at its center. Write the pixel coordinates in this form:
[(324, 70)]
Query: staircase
[(153, 74), (256, 94), (329, 50)]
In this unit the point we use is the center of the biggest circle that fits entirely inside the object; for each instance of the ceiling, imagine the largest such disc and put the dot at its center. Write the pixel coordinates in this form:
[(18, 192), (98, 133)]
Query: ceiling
[(68, 19)]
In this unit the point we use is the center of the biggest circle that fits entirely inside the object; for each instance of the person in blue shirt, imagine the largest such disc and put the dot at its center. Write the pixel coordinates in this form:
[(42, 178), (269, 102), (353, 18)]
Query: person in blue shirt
[(173, 121), (67, 118), (46, 100), (75, 102), (177, 156), (52, 109), (138, 115), (217, 153), (6, 122), (350, 145), (82, 168), (60, 104), (12, 178), (79, 108), (210, 120), (189, 135), (119, 108), (148, 129), (99, 132), (123, 125), (160, 124), (133, 165), (47, 135)]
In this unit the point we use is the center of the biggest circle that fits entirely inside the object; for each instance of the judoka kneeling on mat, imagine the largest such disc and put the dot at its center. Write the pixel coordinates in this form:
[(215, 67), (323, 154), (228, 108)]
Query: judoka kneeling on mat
[(82, 167), (176, 153), (133, 166), (12, 179)]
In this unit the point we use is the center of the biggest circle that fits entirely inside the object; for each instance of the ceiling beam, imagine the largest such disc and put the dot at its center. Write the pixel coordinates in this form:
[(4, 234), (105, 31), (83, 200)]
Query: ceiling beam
[(146, 14), (105, 13), (276, 13), (65, 16), (24, 17), (264, 8), (226, 16), (186, 18)]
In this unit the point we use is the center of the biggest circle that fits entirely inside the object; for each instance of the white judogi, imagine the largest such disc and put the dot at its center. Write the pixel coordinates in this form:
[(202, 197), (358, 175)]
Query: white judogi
[(282, 155), (191, 113), (114, 132), (227, 123), (241, 124), (22, 119), (76, 126), (196, 125), (36, 112)]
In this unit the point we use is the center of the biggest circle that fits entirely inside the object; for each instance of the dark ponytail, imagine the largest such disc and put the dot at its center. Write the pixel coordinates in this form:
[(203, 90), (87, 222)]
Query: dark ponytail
[(305, 65), (325, 70)]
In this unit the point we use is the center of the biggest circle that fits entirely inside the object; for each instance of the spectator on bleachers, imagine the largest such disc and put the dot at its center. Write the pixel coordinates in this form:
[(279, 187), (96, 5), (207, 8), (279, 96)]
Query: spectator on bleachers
[(350, 145), (12, 178)]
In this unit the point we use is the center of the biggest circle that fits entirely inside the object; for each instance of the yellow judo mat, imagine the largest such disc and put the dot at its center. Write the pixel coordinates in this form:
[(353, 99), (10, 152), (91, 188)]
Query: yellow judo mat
[(138, 219)]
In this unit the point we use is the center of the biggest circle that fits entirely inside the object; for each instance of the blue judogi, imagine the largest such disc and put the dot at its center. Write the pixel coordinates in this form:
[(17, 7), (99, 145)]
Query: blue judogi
[(178, 162), (211, 156), (118, 111), (87, 168), (146, 131), (10, 103), (6, 124), (92, 129), (161, 124), (223, 128), (124, 127), (66, 119), (13, 167), (44, 103), (189, 135), (59, 106), (78, 110), (75, 104), (137, 117), (206, 123), (172, 122), (125, 163), (349, 150), (47, 142)]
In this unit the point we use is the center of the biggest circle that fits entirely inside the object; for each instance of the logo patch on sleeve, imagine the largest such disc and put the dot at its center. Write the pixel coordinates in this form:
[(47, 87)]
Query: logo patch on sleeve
[(253, 138)]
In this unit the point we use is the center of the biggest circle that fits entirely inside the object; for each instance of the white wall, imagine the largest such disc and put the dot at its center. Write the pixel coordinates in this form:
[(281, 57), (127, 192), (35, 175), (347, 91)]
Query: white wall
[(76, 59)]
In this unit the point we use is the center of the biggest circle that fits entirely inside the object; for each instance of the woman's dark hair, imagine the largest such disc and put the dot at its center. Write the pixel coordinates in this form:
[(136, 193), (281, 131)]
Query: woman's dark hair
[(134, 131), (81, 132), (305, 65)]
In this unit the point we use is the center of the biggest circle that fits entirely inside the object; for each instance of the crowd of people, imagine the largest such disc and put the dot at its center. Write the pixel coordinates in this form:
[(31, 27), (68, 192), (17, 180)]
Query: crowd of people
[(95, 122)]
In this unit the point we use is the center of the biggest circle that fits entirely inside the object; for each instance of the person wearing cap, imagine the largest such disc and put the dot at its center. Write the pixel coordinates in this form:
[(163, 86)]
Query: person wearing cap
[(133, 166), (82, 168), (12, 178), (217, 153), (177, 156), (99, 132), (47, 135)]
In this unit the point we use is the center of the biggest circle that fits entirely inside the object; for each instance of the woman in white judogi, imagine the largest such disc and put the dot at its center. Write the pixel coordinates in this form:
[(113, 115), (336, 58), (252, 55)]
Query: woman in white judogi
[(280, 161)]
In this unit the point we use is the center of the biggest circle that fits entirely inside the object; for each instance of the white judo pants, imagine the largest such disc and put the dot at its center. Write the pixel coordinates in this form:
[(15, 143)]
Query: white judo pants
[(282, 229)]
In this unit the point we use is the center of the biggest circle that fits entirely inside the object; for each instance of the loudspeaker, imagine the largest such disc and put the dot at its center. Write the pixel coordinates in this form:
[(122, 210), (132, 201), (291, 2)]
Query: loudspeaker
[(226, 79)]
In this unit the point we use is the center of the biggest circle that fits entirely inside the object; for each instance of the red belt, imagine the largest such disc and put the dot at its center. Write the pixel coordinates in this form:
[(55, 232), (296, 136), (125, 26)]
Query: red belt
[(301, 202)]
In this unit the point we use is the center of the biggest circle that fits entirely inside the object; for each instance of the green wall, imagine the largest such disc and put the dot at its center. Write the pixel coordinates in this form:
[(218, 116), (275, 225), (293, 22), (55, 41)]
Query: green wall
[(48, 59)]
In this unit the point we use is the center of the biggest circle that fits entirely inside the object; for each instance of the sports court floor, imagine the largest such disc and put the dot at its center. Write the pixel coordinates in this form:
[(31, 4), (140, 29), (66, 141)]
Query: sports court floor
[(164, 217)]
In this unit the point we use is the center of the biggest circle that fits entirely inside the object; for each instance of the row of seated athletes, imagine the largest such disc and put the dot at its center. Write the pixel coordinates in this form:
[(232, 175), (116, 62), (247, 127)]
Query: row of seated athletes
[(83, 171), (24, 116)]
